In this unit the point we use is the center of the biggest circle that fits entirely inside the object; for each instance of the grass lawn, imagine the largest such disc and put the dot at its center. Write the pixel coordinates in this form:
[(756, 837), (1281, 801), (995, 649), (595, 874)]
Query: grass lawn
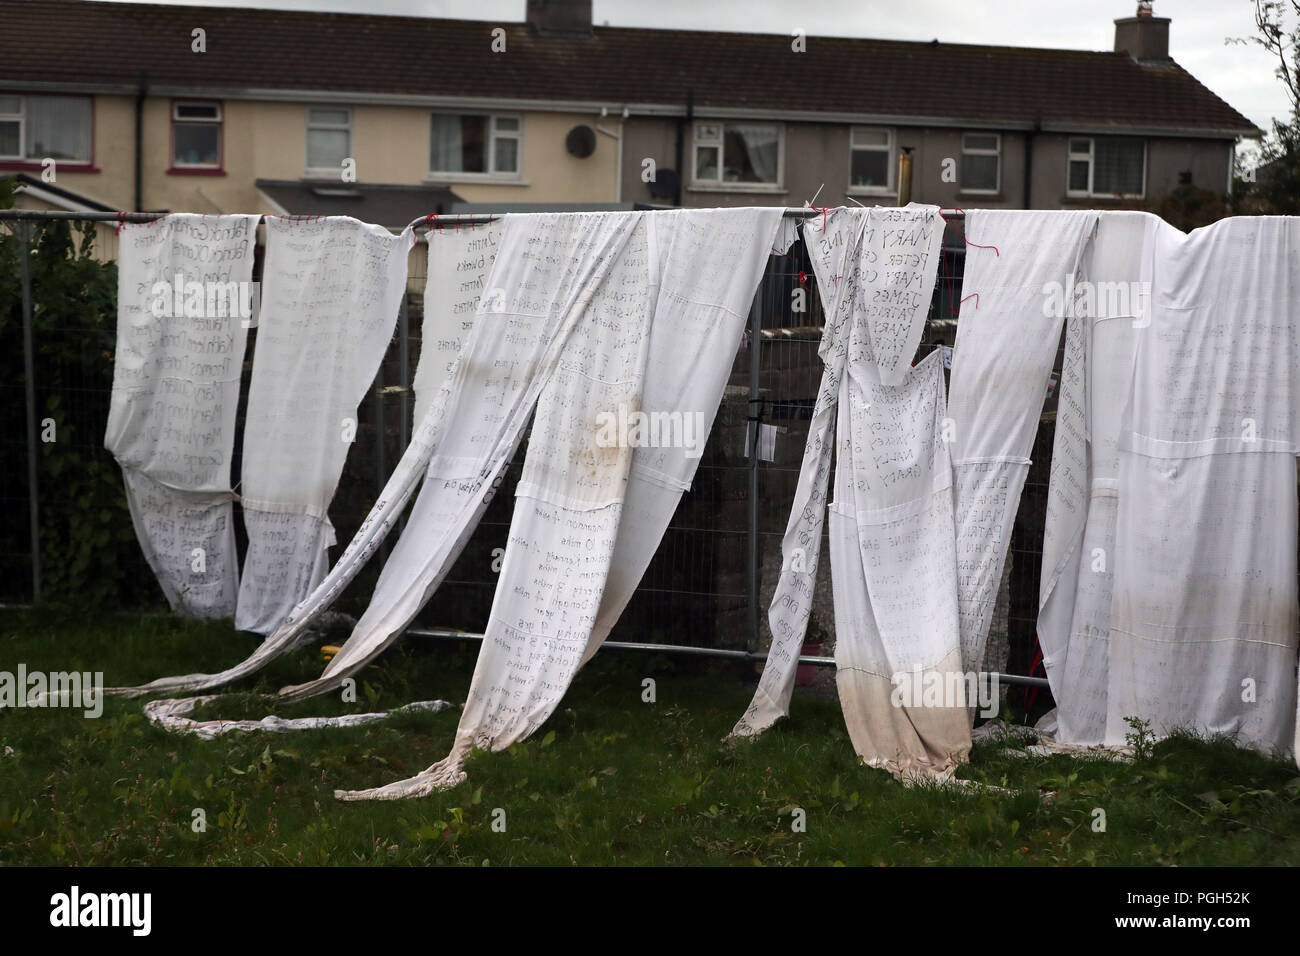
[(611, 779)]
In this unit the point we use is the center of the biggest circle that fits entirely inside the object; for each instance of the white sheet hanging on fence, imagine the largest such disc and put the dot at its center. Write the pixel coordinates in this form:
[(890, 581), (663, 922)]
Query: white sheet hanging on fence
[(183, 291), (1007, 336), (1083, 496), (894, 574), (1204, 612), (458, 266), (331, 291), (548, 267), (580, 540), (876, 267)]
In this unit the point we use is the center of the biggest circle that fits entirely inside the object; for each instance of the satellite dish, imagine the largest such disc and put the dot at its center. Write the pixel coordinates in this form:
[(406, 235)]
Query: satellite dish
[(581, 141)]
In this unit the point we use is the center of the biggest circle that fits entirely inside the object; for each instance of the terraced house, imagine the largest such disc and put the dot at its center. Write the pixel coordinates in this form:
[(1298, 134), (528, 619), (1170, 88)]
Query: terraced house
[(206, 109)]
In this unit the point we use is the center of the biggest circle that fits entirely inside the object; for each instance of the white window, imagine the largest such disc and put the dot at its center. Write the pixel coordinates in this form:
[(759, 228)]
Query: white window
[(871, 160), (981, 166), (33, 128), (329, 138), (475, 144), (1107, 166), (744, 153), (196, 135)]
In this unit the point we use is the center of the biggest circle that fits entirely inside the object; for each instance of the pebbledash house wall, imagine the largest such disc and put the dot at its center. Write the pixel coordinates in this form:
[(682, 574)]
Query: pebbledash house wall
[(817, 155)]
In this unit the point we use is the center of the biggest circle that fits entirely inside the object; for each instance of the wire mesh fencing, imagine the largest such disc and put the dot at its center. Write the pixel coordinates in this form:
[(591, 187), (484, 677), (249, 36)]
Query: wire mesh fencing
[(713, 575)]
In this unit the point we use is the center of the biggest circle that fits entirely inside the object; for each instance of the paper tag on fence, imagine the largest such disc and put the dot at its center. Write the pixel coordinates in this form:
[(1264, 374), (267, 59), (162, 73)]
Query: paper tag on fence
[(766, 442)]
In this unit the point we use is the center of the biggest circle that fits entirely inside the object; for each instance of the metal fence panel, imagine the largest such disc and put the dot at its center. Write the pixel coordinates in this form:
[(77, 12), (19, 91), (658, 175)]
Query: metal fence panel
[(712, 578)]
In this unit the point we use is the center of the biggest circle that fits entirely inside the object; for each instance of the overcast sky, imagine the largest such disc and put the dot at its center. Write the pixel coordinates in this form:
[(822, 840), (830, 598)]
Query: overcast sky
[(1242, 75)]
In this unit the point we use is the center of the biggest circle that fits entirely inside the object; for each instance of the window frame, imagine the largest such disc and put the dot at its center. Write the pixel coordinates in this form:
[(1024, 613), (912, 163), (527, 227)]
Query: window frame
[(720, 144), (890, 150), (329, 172), (995, 152), (491, 173), (21, 160), (1091, 157), (198, 168)]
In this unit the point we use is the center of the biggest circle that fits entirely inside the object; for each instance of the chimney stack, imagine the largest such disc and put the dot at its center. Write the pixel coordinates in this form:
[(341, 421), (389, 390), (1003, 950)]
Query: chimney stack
[(1144, 36), (559, 18)]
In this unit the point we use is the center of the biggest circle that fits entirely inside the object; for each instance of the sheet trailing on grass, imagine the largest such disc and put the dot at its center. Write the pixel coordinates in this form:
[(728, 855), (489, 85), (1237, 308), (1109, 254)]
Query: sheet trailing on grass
[(182, 322), (894, 574), (1007, 337), (331, 292), (875, 271), (1109, 311), (595, 498), (572, 287), (1204, 610)]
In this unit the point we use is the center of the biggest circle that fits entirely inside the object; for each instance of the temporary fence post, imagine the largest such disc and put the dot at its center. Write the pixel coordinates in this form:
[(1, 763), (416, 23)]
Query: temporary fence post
[(404, 367), (754, 417), (29, 374), (377, 417)]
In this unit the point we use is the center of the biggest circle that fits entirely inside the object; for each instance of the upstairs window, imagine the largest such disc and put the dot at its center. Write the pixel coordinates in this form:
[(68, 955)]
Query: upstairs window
[(871, 160), (196, 135), (1107, 167), (981, 155), (740, 153), (475, 143), (329, 138), (33, 128)]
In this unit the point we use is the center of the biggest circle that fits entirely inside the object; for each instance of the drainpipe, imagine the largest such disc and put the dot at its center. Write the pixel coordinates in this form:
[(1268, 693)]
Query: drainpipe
[(142, 90), (682, 126), (618, 168), (905, 175), (1029, 163)]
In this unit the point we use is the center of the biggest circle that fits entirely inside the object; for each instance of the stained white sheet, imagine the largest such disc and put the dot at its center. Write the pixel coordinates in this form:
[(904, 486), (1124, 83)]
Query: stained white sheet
[(1083, 495), (875, 269), (894, 575), (1000, 368), (331, 292), (582, 536), (171, 420), (1204, 610)]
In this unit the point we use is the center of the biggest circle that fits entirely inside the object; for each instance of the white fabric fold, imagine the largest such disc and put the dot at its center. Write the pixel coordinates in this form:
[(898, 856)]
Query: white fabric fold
[(894, 576), (1083, 495), (459, 261), (1007, 337), (1204, 610), (184, 286), (580, 540), (331, 292), (875, 267), (170, 715)]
